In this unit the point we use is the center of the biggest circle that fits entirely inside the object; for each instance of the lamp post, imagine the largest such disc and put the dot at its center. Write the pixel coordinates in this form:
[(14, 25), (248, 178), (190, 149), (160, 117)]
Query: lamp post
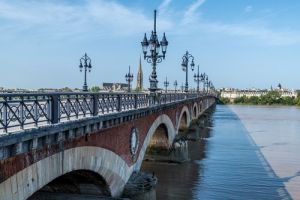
[(197, 79), (87, 67), (175, 85), (166, 84), (206, 83), (212, 87), (203, 76), (129, 78), (154, 57), (182, 87), (185, 61), (209, 86)]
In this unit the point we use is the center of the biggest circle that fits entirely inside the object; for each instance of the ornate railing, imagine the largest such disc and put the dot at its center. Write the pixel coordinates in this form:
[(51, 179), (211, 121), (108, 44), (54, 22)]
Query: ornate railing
[(20, 111)]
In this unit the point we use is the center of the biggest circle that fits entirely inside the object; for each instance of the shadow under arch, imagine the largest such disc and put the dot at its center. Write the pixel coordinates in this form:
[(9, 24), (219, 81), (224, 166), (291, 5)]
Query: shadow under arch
[(162, 124), (195, 111), (160, 138), (76, 182), (184, 119)]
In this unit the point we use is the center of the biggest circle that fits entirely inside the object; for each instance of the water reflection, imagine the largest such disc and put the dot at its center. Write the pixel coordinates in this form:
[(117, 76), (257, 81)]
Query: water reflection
[(178, 181), (225, 164)]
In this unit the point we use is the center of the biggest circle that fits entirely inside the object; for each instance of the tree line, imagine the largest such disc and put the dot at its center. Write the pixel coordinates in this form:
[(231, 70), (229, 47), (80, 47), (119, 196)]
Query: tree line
[(271, 98)]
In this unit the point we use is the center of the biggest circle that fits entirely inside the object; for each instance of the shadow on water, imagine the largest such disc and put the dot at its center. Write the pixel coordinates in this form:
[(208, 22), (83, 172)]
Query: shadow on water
[(287, 179), (224, 164)]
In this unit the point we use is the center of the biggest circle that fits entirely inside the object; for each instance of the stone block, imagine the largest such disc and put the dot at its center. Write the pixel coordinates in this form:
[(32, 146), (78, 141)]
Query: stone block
[(14, 186), (4, 153), (71, 134), (34, 143), (17, 148), (20, 185), (60, 137), (8, 190)]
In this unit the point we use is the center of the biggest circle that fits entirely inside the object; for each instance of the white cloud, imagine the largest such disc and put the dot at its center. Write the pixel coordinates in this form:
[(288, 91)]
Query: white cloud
[(190, 15), (264, 34), (109, 18), (59, 19), (164, 6), (193, 23), (117, 17), (248, 9)]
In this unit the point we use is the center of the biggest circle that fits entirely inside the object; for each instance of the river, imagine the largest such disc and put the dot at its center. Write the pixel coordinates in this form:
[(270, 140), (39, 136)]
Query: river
[(249, 152)]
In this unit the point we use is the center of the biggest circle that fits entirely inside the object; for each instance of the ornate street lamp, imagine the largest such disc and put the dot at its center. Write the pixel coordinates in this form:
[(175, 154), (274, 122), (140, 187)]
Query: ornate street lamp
[(175, 85), (197, 79), (129, 78), (87, 67), (166, 84), (154, 57), (185, 61)]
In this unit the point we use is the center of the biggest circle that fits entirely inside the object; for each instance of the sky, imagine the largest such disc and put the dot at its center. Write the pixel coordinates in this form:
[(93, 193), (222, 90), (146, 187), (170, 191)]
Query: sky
[(240, 43)]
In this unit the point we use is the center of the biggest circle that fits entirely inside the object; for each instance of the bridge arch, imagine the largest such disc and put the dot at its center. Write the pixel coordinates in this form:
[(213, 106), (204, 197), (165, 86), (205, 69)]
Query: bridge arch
[(160, 138), (162, 121), (195, 111), (106, 163), (184, 118), (200, 107)]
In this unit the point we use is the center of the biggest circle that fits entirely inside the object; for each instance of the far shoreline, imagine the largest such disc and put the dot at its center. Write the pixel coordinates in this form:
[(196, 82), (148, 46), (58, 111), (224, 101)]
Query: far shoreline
[(259, 105)]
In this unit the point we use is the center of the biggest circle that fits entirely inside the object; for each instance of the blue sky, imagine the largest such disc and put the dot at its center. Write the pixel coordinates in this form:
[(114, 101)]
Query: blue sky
[(241, 43)]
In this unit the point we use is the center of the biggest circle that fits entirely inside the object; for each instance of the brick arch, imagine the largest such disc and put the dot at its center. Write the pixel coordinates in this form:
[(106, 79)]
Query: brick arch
[(107, 164), (186, 111), (162, 119)]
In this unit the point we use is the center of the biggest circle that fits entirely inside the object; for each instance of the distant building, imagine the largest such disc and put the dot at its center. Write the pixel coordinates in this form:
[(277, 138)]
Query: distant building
[(139, 81), (14, 90), (115, 86), (279, 86), (233, 93)]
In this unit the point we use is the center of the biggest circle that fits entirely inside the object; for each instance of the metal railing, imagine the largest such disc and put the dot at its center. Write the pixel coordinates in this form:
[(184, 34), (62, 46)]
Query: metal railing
[(27, 110)]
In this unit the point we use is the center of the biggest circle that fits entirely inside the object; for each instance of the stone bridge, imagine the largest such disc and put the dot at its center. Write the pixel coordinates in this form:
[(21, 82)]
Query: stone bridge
[(45, 136)]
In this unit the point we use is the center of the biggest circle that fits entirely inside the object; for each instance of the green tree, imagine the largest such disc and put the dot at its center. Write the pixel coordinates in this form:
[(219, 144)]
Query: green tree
[(137, 90), (288, 101), (95, 89), (224, 100), (66, 89), (240, 100), (272, 97), (297, 100), (254, 100)]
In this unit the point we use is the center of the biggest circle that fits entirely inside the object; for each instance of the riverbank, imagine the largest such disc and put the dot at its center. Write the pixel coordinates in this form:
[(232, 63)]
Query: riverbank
[(266, 105)]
